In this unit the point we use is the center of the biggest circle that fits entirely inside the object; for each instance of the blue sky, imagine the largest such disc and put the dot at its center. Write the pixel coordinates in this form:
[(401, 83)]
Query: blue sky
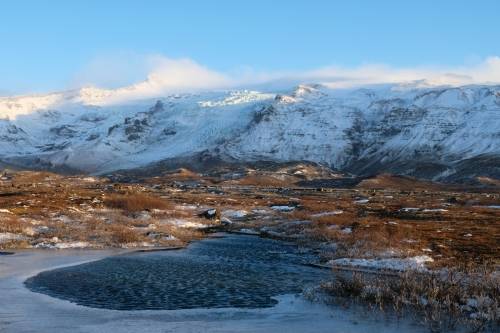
[(51, 45)]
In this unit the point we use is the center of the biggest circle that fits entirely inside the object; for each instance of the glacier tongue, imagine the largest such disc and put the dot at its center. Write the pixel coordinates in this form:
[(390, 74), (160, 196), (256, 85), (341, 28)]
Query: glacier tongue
[(430, 132)]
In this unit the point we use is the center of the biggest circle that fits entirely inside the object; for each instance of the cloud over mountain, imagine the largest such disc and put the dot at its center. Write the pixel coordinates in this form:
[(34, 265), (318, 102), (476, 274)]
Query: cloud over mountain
[(165, 75)]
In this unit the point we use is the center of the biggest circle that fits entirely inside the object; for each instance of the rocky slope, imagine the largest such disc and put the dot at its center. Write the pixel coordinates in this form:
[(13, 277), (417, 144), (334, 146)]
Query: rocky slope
[(440, 133)]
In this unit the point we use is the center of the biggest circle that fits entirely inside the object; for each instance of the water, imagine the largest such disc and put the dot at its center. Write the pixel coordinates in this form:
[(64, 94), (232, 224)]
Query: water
[(234, 271)]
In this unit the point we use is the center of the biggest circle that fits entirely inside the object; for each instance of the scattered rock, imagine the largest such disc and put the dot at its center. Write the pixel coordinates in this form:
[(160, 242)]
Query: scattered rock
[(210, 214)]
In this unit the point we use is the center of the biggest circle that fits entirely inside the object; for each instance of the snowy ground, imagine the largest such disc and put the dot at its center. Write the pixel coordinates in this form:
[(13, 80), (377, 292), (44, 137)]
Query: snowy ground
[(25, 311)]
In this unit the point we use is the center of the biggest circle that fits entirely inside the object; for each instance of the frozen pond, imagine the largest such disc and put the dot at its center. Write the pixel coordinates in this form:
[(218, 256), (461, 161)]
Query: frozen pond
[(22, 310), (235, 271)]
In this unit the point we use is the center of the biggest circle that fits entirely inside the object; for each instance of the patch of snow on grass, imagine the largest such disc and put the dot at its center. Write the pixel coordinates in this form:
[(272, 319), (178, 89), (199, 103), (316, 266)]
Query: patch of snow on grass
[(55, 244), (71, 245), (137, 244), (409, 209), (333, 212), (361, 201), (347, 230), (283, 208), (249, 232), (90, 180), (397, 264), (183, 223), (186, 207), (234, 213), (8, 236)]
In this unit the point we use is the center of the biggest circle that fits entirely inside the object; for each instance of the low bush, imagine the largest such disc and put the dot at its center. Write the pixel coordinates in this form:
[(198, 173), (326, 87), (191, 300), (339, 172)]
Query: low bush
[(11, 224), (470, 297), (135, 202), (123, 235)]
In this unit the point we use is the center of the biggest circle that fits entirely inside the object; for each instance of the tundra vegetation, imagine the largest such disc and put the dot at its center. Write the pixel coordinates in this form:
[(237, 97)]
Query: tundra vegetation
[(395, 243)]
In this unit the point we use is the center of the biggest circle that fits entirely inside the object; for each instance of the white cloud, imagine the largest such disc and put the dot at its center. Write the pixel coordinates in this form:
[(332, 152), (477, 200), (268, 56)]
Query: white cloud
[(164, 76), (486, 72), (184, 74), (167, 75), (181, 74)]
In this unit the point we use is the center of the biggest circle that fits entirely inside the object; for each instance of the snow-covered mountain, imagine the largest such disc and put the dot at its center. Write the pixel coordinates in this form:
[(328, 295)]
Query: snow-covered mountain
[(439, 132)]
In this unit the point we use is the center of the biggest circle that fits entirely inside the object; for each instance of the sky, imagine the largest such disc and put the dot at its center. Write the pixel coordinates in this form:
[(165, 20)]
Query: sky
[(49, 45)]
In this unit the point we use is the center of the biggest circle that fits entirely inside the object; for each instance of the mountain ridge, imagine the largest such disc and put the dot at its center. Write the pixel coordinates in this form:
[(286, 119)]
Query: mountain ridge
[(437, 133)]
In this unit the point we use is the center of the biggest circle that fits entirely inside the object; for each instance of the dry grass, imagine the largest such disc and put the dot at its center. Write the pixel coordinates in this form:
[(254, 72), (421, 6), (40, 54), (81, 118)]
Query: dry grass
[(11, 224), (386, 181), (120, 234), (135, 202), (263, 181), (467, 297), (44, 209), (467, 231)]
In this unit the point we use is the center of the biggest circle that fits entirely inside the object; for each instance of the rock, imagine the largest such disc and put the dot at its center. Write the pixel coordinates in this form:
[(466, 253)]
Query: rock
[(226, 221), (210, 214)]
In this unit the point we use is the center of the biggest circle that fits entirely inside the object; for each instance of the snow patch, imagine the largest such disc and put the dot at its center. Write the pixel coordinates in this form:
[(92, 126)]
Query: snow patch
[(397, 264), (184, 223), (8, 236), (283, 208), (333, 212), (235, 213), (361, 201), (249, 231)]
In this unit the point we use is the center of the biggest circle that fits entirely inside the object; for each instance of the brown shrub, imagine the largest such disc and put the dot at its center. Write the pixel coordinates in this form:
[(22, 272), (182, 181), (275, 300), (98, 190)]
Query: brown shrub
[(135, 202), (300, 215), (443, 301), (11, 224), (123, 235), (341, 220), (172, 214)]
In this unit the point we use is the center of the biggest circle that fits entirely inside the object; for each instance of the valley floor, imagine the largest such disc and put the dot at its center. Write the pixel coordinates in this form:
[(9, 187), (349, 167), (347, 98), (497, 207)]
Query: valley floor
[(385, 224)]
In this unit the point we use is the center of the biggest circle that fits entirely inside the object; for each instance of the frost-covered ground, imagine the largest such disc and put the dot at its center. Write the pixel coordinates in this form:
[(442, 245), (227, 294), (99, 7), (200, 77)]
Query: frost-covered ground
[(25, 311)]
